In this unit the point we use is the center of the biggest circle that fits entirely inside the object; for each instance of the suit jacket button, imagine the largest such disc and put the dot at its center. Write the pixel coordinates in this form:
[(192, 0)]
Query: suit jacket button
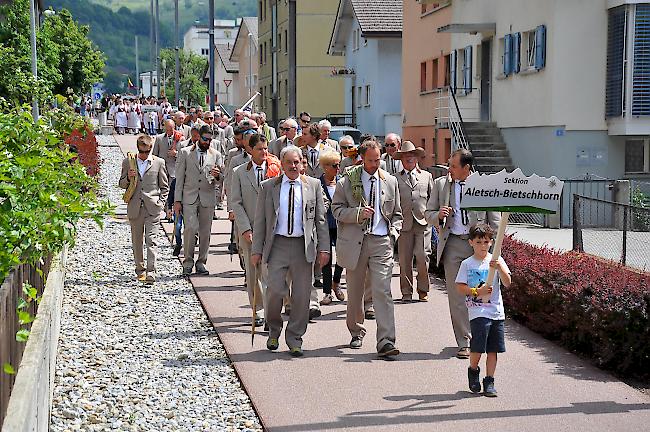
[(359, 242)]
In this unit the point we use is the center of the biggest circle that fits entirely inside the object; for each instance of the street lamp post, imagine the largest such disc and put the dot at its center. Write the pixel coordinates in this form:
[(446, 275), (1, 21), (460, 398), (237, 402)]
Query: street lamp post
[(250, 65), (157, 30), (211, 53), (32, 27), (177, 70)]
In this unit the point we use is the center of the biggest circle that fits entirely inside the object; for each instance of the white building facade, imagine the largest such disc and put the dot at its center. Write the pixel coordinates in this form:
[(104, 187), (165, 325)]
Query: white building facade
[(566, 81), (196, 39)]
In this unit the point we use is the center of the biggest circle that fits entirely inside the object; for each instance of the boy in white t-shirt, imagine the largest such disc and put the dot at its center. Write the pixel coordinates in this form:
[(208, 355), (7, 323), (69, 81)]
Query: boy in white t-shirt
[(485, 306)]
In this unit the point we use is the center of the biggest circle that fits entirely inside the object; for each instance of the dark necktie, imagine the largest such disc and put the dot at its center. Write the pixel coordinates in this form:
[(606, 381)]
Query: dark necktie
[(464, 217), (290, 209), (372, 198), (313, 157), (201, 158), (259, 175)]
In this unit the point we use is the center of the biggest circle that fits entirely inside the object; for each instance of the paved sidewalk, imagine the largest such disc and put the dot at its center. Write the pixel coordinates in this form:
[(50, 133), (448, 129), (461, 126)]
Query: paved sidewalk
[(541, 386)]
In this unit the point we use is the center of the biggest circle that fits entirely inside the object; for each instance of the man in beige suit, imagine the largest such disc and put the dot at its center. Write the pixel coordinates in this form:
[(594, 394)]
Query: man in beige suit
[(244, 188), (392, 144), (415, 188), (290, 233), (366, 205), (443, 211), (325, 127), (312, 150), (148, 200), (179, 121), (197, 172), (289, 129), (166, 147)]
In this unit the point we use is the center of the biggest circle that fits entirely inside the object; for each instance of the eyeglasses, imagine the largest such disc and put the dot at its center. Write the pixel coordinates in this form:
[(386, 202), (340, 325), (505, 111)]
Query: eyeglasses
[(209, 118), (305, 121), (287, 129), (346, 147), (335, 165), (391, 145), (206, 138)]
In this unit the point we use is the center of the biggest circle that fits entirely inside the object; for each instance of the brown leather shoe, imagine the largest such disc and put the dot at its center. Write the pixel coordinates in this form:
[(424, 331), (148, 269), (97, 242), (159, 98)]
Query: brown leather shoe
[(424, 297), (463, 353)]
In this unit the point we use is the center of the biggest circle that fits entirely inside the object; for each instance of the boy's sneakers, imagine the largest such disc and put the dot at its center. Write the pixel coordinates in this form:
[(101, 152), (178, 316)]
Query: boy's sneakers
[(488, 387), (474, 381)]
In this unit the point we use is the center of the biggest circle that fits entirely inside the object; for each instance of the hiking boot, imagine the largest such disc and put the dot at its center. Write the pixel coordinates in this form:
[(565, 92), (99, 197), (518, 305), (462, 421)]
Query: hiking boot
[(356, 342), (338, 292), (474, 379), (272, 344), (327, 299), (488, 387)]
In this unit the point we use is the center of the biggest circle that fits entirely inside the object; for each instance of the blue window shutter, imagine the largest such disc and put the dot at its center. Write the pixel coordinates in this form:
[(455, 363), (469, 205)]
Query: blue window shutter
[(507, 55), (516, 52), (452, 71), (540, 47), (468, 69), (614, 95)]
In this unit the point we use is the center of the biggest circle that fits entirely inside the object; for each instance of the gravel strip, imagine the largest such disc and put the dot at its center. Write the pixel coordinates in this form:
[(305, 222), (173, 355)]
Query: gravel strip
[(134, 357)]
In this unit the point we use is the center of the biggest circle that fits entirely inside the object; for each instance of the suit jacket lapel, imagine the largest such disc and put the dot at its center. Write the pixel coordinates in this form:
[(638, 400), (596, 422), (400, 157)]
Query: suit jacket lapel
[(252, 175), (276, 195)]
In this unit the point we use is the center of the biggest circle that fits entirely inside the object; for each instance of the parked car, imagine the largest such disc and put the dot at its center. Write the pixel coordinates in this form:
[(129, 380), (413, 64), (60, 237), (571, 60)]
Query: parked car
[(339, 131)]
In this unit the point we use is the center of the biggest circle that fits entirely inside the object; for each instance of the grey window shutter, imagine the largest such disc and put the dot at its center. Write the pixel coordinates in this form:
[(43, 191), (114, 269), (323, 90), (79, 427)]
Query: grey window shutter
[(614, 96), (452, 71), (540, 47), (641, 70), (516, 52), (507, 55), (467, 76)]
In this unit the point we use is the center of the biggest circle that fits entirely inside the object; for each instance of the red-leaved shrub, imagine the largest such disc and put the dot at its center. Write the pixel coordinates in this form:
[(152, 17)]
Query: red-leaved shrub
[(593, 307), (83, 142)]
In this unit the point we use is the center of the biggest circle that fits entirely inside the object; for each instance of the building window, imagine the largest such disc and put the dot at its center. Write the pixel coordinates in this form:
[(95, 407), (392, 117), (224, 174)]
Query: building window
[(423, 77), (286, 92), (467, 69), (359, 97), (534, 41), (254, 80), (355, 39), (636, 156), (262, 51), (434, 74), (367, 101), (280, 38), (286, 44), (447, 70), (205, 51), (614, 94)]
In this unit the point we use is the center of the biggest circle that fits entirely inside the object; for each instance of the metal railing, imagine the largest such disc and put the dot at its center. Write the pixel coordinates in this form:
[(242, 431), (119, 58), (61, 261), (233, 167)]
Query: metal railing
[(449, 114), (611, 230)]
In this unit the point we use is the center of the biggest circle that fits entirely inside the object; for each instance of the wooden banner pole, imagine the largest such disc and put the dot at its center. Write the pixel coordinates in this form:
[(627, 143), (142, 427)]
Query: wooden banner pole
[(496, 253)]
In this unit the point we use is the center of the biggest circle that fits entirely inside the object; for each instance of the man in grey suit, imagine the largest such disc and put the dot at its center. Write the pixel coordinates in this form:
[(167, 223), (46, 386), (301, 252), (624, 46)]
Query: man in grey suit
[(366, 205), (166, 147), (245, 186), (392, 144), (415, 188), (443, 211), (145, 205), (289, 235), (197, 172), (325, 127)]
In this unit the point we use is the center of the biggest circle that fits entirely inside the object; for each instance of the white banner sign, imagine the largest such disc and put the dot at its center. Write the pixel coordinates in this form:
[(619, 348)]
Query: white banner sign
[(512, 192), (150, 108)]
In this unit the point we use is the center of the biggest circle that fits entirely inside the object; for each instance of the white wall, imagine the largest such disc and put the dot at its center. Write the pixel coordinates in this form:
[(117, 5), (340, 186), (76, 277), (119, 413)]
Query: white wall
[(570, 90), (196, 39)]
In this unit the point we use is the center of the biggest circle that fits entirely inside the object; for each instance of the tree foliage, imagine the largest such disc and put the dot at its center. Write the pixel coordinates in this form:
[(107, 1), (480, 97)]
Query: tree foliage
[(192, 70), (66, 57)]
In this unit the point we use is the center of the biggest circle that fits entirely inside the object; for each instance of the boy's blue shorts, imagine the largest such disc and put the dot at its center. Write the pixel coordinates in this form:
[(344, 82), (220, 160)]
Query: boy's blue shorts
[(488, 336)]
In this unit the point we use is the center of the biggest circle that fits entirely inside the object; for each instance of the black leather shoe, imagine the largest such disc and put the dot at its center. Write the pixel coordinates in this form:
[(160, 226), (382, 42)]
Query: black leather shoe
[(201, 270), (259, 322), (314, 313), (388, 350), (356, 342), (318, 284), (177, 250), (370, 315)]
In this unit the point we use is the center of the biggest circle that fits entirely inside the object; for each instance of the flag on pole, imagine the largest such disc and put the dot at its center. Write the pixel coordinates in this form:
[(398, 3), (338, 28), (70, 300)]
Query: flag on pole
[(130, 83)]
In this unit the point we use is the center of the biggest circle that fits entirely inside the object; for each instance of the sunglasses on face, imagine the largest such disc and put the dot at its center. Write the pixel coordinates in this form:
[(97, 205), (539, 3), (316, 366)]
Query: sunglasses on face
[(346, 147), (143, 151), (335, 165), (286, 129), (206, 138), (209, 118), (391, 145), (304, 121)]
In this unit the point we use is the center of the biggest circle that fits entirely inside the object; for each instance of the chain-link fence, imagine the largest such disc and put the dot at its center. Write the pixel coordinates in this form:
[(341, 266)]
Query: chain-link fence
[(611, 230)]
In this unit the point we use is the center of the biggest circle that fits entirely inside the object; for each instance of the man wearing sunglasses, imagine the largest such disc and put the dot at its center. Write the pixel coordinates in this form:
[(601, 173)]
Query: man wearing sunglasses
[(392, 144), (144, 207), (289, 130), (304, 120), (198, 168)]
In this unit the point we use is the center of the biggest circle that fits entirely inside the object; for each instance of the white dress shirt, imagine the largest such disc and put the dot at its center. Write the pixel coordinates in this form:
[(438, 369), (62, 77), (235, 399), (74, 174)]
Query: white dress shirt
[(378, 226), (263, 167), (143, 165), (282, 227), (394, 166), (457, 226)]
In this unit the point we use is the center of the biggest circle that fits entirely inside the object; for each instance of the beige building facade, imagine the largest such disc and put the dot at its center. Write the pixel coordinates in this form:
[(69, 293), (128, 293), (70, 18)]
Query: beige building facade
[(294, 67)]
